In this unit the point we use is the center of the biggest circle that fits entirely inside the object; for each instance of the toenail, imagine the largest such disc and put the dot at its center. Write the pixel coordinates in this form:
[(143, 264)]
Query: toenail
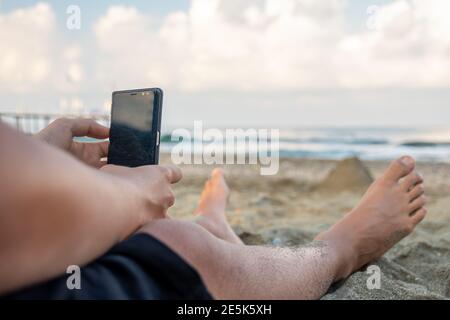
[(408, 161)]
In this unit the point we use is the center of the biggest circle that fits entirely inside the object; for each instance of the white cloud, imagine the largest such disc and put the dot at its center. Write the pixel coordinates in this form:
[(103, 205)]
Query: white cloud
[(410, 47), (132, 55), (71, 59), (224, 44), (268, 45), (33, 55), (277, 44), (25, 47)]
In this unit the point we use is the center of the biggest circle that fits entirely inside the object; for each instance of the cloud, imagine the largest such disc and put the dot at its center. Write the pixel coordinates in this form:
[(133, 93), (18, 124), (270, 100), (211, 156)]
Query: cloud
[(25, 47), (219, 45), (409, 47), (134, 54), (278, 45), (33, 55)]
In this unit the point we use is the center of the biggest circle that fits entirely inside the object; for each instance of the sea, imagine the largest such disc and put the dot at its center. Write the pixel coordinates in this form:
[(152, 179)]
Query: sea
[(425, 144)]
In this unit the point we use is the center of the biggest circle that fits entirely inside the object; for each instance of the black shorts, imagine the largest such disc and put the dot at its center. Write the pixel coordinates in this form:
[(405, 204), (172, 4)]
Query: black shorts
[(139, 268)]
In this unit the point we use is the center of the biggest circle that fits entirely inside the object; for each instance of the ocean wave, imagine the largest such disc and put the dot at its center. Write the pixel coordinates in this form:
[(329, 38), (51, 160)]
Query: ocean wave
[(167, 138), (424, 144), (380, 144)]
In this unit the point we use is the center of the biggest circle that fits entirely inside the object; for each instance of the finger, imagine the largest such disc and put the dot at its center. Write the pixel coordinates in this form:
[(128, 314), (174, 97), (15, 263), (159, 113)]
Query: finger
[(174, 173), (103, 148), (101, 153), (89, 128), (103, 162)]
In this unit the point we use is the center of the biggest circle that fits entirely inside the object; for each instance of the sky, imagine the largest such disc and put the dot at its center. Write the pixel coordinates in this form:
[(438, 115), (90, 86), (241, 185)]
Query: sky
[(272, 63)]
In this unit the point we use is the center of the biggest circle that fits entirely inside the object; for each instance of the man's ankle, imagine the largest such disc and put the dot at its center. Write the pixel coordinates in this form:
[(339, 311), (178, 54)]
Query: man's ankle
[(341, 252)]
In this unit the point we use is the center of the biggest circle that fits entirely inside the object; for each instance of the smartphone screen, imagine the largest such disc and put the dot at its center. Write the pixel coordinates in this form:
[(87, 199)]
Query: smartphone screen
[(133, 136)]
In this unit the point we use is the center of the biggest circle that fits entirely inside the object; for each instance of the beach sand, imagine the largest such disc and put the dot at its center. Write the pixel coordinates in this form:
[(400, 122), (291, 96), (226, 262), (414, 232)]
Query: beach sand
[(289, 209)]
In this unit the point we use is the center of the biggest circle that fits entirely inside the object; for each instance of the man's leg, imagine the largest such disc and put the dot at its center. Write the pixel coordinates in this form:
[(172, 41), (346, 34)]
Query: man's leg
[(388, 212)]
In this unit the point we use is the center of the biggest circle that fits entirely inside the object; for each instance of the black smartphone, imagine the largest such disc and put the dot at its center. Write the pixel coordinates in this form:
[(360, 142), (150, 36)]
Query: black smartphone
[(135, 127)]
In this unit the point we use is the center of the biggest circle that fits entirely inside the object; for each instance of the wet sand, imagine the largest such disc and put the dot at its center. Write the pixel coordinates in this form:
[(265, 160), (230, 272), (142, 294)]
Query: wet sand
[(289, 209)]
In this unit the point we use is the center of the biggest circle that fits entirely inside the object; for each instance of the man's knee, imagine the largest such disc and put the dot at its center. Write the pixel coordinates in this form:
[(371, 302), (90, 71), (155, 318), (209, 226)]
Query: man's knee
[(187, 239)]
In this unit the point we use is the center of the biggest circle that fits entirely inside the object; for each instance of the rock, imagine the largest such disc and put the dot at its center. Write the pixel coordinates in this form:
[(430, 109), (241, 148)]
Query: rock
[(349, 174)]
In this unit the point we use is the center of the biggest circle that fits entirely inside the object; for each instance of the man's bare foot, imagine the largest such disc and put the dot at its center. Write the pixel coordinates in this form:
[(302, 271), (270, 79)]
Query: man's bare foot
[(212, 206), (387, 213)]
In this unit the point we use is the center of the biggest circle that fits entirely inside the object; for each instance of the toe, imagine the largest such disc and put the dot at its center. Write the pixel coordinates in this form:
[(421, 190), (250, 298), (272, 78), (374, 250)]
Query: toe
[(411, 180), (418, 216), (417, 204), (416, 192), (217, 173), (400, 168)]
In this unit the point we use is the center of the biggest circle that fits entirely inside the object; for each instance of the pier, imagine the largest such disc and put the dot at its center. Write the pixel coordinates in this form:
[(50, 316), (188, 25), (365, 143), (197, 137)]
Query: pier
[(31, 123)]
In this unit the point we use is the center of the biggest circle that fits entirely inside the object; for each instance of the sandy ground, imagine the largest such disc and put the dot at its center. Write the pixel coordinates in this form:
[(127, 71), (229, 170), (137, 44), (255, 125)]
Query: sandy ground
[(289, 209)]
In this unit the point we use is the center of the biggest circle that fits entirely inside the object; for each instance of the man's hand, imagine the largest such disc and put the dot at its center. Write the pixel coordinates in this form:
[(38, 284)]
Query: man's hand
[(153, 184), (61, 132)]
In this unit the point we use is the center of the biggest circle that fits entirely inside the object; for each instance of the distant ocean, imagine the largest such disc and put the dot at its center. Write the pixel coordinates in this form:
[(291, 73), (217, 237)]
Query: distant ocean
[(430, 144)]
